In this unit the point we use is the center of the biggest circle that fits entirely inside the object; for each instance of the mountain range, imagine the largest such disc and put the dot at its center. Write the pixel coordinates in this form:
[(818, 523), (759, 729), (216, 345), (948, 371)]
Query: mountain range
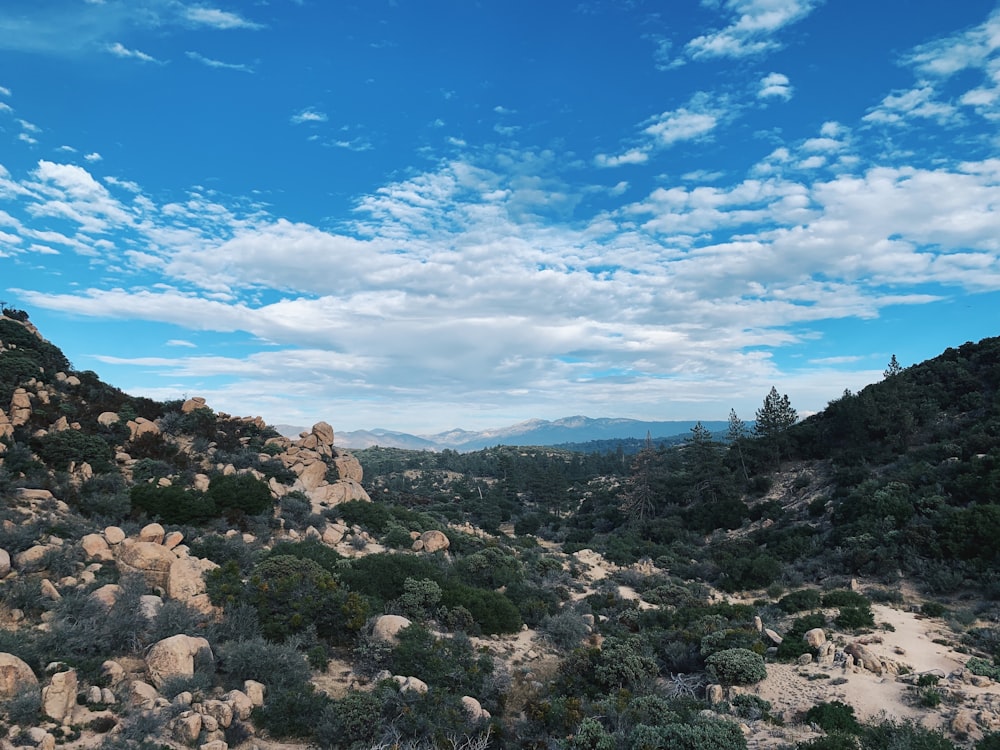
[(576, 429)]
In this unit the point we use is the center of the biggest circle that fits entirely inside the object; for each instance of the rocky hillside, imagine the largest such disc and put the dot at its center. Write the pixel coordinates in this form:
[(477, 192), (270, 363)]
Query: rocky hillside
[(175, 576)]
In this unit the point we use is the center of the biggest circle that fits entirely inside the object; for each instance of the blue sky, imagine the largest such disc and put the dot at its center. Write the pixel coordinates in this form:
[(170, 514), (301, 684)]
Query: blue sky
[(427, 215)]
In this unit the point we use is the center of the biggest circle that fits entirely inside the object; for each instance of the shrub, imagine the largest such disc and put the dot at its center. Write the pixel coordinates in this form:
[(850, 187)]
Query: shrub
[(750, 707), (277, 665), (834, 717), (706, 734), (889, 735), (736, 666), (793, 645), (288, 713), (983, 667), (173, 504), (852, 618), (352, 719), (845, 598), (800, 600), (933, 609), (22, 709), (419, 598), (492, 611), (59, 449), (566, 629), (370, 516), (240, 493)]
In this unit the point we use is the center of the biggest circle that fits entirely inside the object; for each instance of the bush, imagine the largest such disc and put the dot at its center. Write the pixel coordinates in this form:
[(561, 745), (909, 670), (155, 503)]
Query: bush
[(834, 717), (983, 667), (240, 493), (173, 504), (793, 644), (59, 449), (289, 713), (800, 600), (352, 719), (853, 618), (706, 734), (736, 666), (845, 598), (277, 665), (566, 629)]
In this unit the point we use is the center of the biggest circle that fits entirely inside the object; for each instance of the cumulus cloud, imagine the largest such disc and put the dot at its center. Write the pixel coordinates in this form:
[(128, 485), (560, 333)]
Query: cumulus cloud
[(900, 107), (93, 156), (775, 85)]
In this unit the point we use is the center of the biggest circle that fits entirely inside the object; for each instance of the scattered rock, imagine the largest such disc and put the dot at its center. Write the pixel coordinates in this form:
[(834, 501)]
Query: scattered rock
[(815, 637), (434, 540), (59, 696)]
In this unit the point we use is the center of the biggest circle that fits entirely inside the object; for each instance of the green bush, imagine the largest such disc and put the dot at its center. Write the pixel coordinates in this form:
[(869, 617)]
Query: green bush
[(276, 665), (59, 449), (240, 493), (352, 719), (853, 618), (706, 734), (173, 504), (736, 666), (793, 644), (845, 598), (372, 517), (983, 667), (933, 609), (834, 717), (800, 600), (566, 629), (492, 611)]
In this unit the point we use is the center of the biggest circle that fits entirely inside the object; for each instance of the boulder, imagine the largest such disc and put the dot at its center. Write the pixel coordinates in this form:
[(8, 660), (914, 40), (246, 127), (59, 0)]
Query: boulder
[(33, 558), (4, 562), (255, 692), (410, 683), (221, 711), (171, 540), (240, 702), (175, 657), (865, 657), (95, 547), (152, 532), (714, 694), (142, 694), (186, 577), (323, 433), (387, 627), (311, 475), (112, 672), (59, 696), (964, 724), (15, 676), (106, 594), (348, 467), (186, 728), (20, 407), (191, 404), (815, 637), (773, 636), (142, 426), (473, 709), (150, 560), (114, 535), (434, 541), (107, 418)]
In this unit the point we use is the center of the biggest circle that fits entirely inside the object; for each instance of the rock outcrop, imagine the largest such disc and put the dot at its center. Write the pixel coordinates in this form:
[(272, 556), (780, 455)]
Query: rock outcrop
[(175, 657), (15, 676)]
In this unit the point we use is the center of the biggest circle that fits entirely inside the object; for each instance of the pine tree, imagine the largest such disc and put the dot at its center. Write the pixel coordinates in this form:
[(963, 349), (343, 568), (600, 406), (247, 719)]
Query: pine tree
[(639, 500), (893, 369), (773, 419), (736, 434)]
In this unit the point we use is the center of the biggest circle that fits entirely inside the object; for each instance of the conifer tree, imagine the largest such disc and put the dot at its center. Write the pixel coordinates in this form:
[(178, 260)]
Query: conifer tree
[(773, 419)]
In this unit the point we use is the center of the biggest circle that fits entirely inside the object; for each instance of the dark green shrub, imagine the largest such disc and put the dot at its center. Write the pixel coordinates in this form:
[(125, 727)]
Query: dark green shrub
[(750, 707), (104, 496), (492, 611), (706, 734), (831, 742), (800, 600), (446, 663), (890, 735), (489, 568), (23, 708), (372, 517), (59, 449), (989, 742), (277, 665), (834, 717), (845, 598), (736, 666), (173, 504), (933, 609), (853, 618), (289, 713), (352, 719), (396, 536), (793, 644), (240, 493), (311, 549), (419, 598)]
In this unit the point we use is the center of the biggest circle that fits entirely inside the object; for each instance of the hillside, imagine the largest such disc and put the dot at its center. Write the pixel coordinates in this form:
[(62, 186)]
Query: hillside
[(174, 576)]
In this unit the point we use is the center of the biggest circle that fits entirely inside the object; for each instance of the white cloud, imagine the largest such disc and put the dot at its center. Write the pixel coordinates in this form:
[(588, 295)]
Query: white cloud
[(24, 137), (4, 107), (900, 107), (956, 52), (182, 342), (212, 63), (119, 50), (309, 114), (29, 127), (219, 19), (633, 156), (775, 85), (681, 124), (4, 91), (751, 31), (93, 156)]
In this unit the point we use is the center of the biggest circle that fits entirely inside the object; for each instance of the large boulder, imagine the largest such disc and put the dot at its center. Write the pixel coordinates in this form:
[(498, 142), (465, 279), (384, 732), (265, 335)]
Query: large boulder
[(866, 657), (20, 407), (348, 467), (150, 560), (323, 433), (15, 676), (434, 541), (186, 578), (175, 657), (387, 627), (107, 418), (815, 637), (4, 562), (59, 696), (33, 558), (96, 547)]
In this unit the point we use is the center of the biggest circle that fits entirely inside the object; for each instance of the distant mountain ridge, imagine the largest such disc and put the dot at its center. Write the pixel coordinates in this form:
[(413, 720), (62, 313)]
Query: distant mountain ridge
[(575, 429)]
